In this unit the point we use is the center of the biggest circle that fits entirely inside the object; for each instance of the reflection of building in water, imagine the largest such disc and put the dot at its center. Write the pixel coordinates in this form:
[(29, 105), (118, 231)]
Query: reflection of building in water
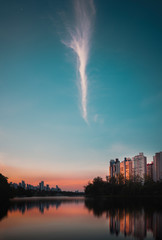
[(157, 226), (149, 222), (129, 218), (41, 205), (128, 223), (23, 209), (139, 225), (114, 223)]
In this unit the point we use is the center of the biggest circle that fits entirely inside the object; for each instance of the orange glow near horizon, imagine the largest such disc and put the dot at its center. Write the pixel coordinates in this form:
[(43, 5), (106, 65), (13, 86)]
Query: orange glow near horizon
[(64, 184), (67, 182)]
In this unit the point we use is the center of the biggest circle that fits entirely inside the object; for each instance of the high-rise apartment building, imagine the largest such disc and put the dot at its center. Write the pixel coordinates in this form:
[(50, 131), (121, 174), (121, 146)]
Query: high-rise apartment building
[(157, 167), (126, 168), (114, 168), (41, 185), (22, 184), (150, 170), (139, 166), (112, 162)]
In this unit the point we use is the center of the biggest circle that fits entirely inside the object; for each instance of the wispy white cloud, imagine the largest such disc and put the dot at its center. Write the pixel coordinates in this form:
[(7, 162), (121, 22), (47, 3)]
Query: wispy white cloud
[(80, 35)]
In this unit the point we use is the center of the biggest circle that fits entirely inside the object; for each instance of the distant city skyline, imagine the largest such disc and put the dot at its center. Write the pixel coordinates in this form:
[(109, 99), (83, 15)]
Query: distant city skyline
[(40, 186), (77, 92)]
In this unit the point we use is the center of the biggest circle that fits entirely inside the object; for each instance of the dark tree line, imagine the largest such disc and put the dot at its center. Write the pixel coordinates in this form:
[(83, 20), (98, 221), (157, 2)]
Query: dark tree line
[(122, 187)]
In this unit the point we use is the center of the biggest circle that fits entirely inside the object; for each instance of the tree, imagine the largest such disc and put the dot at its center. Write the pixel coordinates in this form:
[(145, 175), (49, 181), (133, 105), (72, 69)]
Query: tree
[(97, 187), (113, 180), (97, 180), (4, 188), (121, 179)]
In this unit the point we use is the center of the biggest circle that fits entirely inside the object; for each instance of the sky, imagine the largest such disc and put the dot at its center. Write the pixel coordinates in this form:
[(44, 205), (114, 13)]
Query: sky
[(80, 84)]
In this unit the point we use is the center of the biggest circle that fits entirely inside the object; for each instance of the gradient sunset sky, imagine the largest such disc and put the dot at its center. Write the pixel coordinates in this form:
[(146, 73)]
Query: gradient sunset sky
[(45, 131)]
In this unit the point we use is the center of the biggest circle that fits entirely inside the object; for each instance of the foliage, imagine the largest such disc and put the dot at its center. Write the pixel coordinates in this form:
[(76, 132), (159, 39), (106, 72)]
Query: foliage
[(4, 188), (120, 186)]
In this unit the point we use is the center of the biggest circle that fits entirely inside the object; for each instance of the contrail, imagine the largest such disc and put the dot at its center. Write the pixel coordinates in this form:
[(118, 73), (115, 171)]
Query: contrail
[(80, 41)]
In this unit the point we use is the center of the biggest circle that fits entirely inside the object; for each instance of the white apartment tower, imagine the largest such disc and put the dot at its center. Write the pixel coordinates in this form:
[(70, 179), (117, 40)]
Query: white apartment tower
[(139, 166)]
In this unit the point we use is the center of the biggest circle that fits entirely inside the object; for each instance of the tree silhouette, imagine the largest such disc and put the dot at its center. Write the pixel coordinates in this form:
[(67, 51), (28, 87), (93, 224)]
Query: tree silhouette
[(4, 188)]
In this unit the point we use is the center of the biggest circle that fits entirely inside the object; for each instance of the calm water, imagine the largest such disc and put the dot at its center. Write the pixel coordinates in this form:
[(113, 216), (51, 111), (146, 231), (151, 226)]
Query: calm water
[(77, 218)]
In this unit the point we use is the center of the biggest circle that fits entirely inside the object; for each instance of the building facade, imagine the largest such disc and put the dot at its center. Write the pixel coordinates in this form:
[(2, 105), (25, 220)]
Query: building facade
[(41, 185), (126, 168), (150, 170), (139, 166), (157, 167), (114, 168)]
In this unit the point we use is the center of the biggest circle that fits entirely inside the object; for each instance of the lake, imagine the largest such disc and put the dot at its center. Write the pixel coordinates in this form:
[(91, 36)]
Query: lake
[(72, 218)]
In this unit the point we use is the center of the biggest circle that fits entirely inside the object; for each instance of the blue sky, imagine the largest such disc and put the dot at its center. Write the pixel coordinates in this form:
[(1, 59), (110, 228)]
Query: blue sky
[(41, 123)]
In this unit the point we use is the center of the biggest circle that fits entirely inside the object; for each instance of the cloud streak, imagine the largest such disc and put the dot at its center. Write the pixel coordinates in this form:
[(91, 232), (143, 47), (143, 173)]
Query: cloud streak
[(80, 35)]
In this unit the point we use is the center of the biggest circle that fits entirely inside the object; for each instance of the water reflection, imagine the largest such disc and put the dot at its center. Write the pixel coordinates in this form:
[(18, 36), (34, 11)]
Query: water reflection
[(79, 218), (41, 203), (130, 218), (3, 210), (25, 204)]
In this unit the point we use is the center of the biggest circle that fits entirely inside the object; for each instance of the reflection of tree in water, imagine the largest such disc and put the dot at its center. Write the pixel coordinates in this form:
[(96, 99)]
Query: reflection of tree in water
[(129, 217), (3, 210), (99, 205)]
